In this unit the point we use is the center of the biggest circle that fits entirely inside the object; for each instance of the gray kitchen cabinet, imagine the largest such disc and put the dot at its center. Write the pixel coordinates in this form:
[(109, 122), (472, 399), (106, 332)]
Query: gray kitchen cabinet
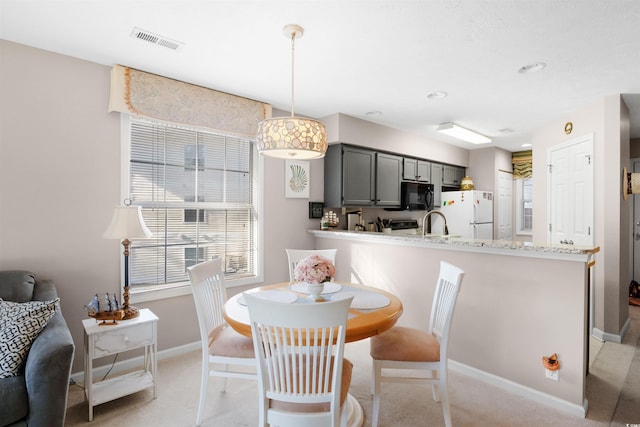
[(416, 170), (358, 177), (388, 176), (436, 178), (452, 175)]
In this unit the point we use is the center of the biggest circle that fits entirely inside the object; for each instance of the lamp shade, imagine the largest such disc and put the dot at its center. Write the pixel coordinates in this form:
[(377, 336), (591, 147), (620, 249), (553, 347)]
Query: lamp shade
[(292, 137), (127, 223)]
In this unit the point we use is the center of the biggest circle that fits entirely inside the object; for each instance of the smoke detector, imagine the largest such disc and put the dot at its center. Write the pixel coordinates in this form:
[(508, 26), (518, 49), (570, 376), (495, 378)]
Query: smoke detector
[(157, 39)]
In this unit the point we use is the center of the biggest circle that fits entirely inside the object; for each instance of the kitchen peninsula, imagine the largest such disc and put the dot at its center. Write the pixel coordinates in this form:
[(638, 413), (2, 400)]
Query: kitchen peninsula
[(518, 303)]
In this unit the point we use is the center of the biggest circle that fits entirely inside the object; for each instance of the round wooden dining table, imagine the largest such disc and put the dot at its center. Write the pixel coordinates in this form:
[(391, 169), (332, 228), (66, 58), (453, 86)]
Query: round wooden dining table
[(372, 312)]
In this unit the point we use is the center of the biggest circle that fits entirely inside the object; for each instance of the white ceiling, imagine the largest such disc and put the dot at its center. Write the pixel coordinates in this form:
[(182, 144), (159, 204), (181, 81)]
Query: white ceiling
[(361, 56)]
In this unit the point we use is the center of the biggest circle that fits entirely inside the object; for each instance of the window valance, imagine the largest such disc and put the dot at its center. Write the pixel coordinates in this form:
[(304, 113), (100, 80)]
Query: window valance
[(145, 94), (522, 164)]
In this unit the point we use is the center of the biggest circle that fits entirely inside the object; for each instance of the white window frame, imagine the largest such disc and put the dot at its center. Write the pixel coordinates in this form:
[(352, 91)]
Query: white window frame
[(140, 294), (520, 207)]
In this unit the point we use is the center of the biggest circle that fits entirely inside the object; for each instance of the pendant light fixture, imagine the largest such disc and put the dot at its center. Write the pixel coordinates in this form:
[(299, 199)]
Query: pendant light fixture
[(292, 137)]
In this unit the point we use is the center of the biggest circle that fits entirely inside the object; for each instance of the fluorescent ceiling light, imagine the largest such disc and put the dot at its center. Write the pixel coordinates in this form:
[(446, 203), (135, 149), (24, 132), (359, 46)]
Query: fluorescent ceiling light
[(464, 134)]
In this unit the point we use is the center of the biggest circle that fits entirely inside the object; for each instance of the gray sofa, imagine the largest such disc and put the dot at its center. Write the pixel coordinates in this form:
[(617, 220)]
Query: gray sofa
[(37, 397)]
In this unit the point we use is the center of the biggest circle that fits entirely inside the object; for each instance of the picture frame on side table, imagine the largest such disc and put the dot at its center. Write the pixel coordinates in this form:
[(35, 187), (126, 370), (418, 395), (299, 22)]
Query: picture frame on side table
[(297, 179)]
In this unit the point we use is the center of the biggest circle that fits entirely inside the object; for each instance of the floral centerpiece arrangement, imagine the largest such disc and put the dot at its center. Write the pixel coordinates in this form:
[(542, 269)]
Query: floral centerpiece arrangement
[(314, 269)]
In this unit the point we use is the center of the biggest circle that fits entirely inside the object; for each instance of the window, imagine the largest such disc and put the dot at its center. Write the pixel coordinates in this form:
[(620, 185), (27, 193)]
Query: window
[(524, 211), (198, 198)]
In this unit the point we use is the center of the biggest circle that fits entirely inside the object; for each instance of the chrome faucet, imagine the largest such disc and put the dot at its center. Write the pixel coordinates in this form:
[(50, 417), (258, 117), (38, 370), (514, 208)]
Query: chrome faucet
[(428, 214)]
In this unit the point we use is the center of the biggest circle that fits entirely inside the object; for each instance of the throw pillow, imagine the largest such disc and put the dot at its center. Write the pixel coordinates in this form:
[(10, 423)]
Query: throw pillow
[(20, 324)]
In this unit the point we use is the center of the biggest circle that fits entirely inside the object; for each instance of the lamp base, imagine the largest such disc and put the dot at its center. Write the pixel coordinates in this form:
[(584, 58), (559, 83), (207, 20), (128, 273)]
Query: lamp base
[(130, 312)]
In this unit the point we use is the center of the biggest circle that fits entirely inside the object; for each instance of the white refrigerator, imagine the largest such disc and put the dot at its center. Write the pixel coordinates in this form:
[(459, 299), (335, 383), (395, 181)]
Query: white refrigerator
[(469, 214)]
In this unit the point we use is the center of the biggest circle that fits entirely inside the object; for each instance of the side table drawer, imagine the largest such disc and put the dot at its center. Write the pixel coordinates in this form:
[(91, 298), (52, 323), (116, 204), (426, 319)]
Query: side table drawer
[(122, 339)]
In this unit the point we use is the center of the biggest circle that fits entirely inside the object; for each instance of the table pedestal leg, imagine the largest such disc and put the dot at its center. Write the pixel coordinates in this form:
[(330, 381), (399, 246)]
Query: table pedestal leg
[(355, 414)]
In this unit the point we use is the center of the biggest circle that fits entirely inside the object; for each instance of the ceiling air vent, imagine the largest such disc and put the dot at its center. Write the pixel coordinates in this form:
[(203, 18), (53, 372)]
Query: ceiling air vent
[(148, 36)]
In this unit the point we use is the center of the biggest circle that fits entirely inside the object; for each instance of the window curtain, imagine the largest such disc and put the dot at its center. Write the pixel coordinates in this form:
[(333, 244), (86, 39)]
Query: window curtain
[(149, 95), (522, 164)]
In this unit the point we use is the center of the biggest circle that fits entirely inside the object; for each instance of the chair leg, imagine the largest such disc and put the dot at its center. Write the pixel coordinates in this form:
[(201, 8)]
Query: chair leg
[(343, 415), (435, 388), (444, 396), (204, 382), (377, 373), (224, 379), (263, 404)]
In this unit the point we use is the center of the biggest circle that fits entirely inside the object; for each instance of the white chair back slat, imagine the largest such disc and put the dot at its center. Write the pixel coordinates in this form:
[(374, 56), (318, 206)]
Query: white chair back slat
[(444, 300)]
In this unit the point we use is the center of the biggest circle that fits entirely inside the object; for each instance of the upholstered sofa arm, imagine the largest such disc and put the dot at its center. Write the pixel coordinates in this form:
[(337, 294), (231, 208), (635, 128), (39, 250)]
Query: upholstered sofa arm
[(48, 366)]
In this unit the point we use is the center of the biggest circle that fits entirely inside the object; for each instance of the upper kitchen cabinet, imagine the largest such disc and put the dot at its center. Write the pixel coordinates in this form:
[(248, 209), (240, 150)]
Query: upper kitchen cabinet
[(416, 170), (388, 172), (358, 177), (452, 175)]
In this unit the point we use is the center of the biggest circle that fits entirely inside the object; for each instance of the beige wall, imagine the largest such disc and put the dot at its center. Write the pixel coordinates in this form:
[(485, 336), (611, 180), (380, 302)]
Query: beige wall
[(634, 148), (60, 179), (351, 130), (504, 321), (608, 120), (485, 165)]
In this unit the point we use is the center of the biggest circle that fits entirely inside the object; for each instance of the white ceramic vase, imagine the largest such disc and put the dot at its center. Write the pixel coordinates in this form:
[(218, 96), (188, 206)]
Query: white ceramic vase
[(315, 289)]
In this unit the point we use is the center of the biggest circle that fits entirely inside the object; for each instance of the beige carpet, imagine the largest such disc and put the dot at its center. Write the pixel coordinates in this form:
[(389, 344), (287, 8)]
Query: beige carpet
[(613, 391)]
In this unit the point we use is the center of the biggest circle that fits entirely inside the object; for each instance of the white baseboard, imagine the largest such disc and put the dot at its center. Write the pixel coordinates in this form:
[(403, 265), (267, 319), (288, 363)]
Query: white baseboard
[(606, 336), (510, 386), (136, 362), (515, 388)]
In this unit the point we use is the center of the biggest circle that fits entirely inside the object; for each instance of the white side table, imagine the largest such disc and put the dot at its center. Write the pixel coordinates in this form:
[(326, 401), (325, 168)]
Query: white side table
[(104, 340)]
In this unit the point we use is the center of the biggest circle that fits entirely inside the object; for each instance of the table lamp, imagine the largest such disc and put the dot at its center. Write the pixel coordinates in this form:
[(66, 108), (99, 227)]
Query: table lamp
[(127, 223)]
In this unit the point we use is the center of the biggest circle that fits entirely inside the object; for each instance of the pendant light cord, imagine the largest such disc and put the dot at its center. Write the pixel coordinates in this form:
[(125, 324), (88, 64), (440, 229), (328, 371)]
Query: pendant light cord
[(293, 44)]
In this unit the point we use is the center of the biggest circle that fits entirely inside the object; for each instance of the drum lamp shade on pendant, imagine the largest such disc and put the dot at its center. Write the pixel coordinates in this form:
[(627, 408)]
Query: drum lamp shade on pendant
[(292, 137)]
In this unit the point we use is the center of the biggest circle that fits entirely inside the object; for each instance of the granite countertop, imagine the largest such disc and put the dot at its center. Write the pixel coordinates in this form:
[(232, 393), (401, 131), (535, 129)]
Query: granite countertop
[(457, 243)]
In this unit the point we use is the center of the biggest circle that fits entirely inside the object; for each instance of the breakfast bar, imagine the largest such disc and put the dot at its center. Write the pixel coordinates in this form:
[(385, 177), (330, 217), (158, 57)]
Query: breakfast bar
[(519, 302)]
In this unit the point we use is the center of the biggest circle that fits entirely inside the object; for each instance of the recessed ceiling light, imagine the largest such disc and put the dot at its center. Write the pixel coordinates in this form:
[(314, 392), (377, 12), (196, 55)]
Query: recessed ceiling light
[(437, 95), (526, 145), (532, 68), (373, 113)]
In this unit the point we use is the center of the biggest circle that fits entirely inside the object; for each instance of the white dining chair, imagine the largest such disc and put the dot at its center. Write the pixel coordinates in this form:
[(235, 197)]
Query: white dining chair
[(295, 255), (413, 350), (303, 378), (222, 347)]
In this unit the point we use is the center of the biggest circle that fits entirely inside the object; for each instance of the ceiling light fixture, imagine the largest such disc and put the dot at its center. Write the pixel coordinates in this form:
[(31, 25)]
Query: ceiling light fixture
[(437, 95), (532, 68), (464, 134), (292, 137)]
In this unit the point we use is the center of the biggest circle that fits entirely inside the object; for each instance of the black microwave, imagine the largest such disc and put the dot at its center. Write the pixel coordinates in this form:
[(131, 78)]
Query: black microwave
[(416, 196)]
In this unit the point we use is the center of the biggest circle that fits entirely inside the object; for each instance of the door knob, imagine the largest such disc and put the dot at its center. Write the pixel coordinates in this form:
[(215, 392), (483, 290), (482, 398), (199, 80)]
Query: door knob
[(637, 236)]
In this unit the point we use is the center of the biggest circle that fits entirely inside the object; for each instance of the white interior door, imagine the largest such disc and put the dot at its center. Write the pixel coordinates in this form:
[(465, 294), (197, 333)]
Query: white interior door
[(570, 204), (505, 206)]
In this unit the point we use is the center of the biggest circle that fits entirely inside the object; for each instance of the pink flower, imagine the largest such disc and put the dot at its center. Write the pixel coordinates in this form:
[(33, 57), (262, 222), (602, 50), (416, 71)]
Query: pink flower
[(314, 269)]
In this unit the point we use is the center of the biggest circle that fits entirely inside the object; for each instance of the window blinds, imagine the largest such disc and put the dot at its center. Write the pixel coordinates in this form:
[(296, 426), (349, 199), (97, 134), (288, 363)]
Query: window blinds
[(196, 193)]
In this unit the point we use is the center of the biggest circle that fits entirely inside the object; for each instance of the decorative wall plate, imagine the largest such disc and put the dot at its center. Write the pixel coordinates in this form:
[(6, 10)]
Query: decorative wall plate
[(297, 179)]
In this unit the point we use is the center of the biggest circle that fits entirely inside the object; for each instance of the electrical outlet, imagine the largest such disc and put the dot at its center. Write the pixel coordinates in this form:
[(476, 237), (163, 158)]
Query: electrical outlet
[(552, 375)]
